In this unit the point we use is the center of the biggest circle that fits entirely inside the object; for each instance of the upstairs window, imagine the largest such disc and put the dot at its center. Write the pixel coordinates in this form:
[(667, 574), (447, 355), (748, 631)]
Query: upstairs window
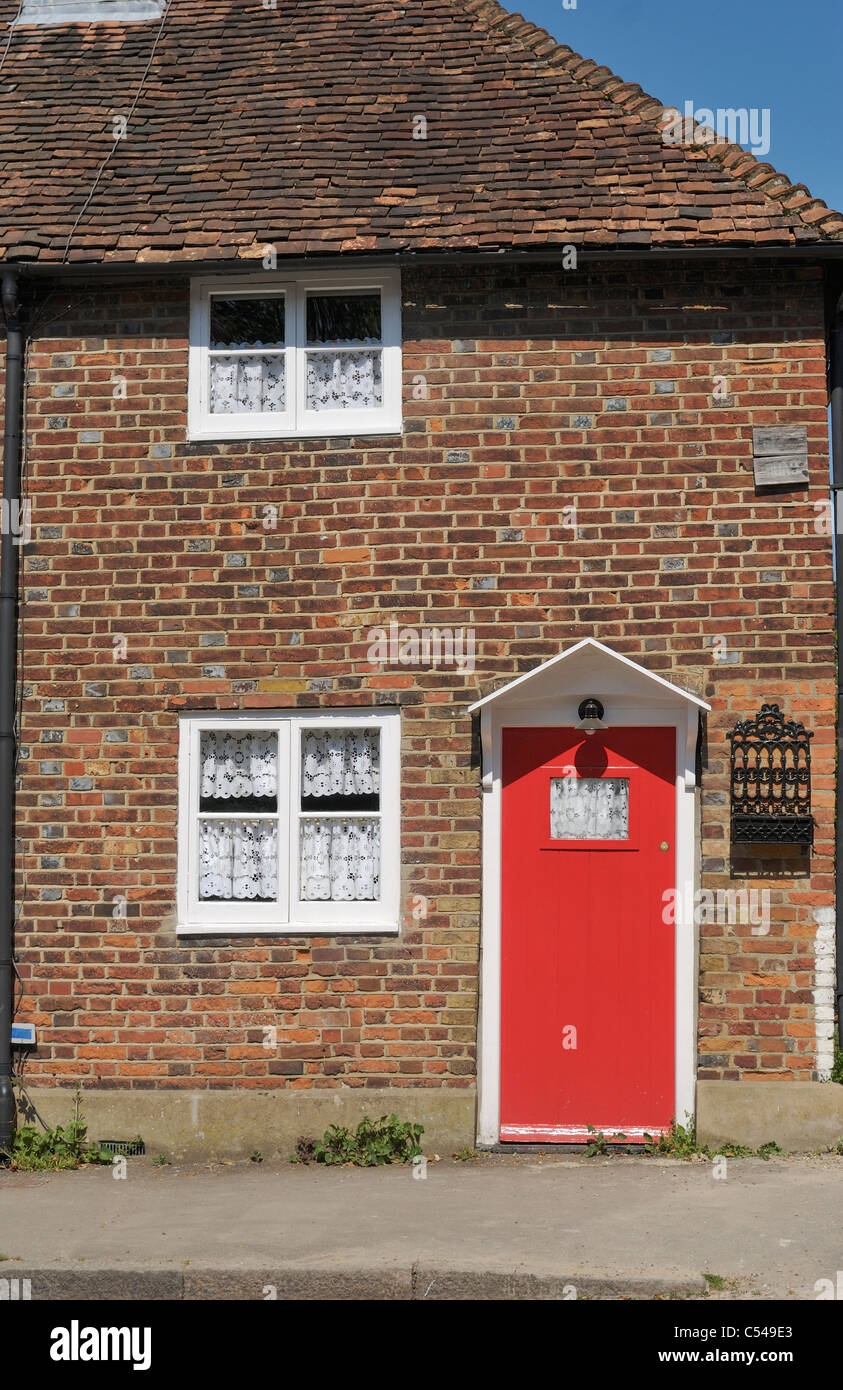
[(289, 358)]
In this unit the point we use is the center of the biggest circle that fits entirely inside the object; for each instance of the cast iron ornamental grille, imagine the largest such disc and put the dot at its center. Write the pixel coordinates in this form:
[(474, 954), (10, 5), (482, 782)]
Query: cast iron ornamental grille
[(771, 780)]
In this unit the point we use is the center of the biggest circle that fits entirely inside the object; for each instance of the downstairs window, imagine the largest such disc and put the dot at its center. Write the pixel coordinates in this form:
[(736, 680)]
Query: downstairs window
[(289, 823)]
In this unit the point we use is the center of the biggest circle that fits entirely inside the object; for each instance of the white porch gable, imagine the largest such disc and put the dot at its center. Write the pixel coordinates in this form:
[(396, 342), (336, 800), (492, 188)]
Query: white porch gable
[(587, 668)]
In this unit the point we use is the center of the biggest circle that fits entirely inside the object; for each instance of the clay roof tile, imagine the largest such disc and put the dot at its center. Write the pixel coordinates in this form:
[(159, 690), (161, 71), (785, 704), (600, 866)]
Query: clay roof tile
[(352, 126)]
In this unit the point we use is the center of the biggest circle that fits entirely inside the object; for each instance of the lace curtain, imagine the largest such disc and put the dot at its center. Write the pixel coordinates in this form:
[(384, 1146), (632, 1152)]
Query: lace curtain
[(337, 379), (340, 860), (238, 765), (343, 380), (340, 857), (248, 384), (589, 808), (340, 762), (238, 859)]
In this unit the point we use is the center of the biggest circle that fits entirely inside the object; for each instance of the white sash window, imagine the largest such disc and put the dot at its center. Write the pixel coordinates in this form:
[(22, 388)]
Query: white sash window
[(289, 823), (287, 357)]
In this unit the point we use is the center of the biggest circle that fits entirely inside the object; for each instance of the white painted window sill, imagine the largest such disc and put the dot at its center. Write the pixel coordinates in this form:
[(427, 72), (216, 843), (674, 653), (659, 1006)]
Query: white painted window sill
[(287, 929), (244, 435)]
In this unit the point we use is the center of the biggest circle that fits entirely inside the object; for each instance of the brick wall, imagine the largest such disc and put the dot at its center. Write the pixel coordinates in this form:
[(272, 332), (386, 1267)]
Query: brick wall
[(528, 391)]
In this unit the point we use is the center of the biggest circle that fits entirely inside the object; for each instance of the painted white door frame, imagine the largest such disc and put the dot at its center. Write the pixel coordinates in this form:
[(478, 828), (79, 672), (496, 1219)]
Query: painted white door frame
[(630, 703)]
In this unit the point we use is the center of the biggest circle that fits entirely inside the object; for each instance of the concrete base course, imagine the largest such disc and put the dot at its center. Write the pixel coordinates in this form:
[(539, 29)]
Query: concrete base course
[(801, 1116), (192, 1126), (197, 1126)]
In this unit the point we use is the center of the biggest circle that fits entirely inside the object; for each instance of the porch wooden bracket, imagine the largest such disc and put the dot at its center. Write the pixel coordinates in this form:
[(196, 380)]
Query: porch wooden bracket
[(487, 778), (691, 733)]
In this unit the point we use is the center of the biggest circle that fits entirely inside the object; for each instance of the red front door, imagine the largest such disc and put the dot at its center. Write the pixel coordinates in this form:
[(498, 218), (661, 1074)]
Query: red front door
[(587, 987)]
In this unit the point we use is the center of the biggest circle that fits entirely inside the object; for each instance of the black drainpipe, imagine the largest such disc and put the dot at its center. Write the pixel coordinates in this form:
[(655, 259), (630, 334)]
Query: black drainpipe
[(837, 494), (12, 522)]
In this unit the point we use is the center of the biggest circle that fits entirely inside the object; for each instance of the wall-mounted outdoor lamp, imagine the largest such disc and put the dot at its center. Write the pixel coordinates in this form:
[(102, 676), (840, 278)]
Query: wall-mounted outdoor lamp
[(590, 716), (771, 780)]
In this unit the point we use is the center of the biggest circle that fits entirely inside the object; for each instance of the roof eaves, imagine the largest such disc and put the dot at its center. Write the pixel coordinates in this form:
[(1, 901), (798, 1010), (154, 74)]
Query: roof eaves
[(25, 258)]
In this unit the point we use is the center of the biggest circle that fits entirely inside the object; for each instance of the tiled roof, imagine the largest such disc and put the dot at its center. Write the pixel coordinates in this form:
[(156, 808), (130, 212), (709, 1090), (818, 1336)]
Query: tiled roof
[(298, 127)]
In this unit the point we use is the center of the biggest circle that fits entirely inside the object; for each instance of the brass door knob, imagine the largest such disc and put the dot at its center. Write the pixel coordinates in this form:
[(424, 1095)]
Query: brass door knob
[(664, 845)]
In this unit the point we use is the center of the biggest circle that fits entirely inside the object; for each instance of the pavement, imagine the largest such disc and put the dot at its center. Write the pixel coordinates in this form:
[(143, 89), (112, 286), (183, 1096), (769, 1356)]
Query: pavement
[(508, 1226)]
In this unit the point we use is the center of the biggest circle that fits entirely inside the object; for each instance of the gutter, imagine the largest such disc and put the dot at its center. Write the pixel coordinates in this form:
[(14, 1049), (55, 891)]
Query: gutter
[(11, 517), (59, 272), (837, 490)]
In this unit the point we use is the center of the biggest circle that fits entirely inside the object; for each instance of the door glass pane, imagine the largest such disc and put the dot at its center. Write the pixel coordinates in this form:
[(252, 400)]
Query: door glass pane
[(589, 808)]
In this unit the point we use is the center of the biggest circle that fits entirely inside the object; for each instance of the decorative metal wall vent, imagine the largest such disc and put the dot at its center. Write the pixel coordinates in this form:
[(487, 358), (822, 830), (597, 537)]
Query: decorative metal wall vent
[(771, 780)]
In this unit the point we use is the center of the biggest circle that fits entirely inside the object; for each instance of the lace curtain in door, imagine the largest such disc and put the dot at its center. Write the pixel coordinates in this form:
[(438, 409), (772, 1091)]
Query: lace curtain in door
[(589, 808)]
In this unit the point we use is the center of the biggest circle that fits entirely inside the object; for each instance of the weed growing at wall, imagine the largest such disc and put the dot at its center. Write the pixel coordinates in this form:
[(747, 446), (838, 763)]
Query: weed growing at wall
[(372, 1143), (60, 1148)]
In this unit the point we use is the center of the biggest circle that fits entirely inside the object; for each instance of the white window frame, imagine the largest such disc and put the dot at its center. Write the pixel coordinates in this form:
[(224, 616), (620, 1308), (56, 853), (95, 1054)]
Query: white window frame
[(296, 422), (289, 915)]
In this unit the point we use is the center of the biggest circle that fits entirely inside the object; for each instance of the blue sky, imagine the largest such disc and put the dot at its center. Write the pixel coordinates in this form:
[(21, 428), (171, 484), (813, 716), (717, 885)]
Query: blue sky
[(783, 55)]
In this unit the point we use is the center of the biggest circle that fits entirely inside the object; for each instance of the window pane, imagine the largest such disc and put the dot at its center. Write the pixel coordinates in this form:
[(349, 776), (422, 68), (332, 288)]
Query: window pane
[(342, 380), (247, 384), (239, 772), (339, 860), (238, 859), (589, 808), (247, 323), (340, 764), (343, 318)]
